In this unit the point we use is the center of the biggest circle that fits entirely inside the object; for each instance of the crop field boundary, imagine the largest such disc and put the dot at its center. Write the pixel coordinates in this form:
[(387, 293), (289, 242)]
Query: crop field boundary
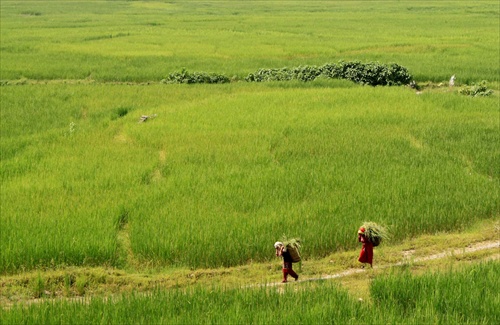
[(487, 245), (482, 246), (425, 254)]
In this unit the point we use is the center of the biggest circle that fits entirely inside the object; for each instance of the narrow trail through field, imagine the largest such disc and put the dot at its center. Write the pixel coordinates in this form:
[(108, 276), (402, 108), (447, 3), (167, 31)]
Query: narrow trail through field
[(408, 259), (125, 252), (490, 250)]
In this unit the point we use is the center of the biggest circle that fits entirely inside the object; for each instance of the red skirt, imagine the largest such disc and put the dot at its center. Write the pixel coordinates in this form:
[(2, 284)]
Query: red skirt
[(366, 254)]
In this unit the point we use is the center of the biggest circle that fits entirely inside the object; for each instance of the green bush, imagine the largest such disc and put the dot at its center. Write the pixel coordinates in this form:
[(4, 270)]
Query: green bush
[(476, 90), (302, 73), (185, 77), (372, 73)]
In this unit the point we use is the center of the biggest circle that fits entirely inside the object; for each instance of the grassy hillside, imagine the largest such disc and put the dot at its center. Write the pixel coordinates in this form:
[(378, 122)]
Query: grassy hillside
[(222, 171)]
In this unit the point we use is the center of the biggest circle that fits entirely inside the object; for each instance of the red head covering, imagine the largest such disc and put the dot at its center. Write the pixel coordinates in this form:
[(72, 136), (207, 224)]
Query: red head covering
[(361, 231)]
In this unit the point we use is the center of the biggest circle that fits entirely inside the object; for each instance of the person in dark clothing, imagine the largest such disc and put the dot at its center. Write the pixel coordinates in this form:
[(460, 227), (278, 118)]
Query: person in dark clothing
[(287, 261)]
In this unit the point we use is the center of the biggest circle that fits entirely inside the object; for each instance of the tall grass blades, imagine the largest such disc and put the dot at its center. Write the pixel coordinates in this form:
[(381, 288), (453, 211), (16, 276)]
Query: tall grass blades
[(311, 304), (220, 171), (469, 296)]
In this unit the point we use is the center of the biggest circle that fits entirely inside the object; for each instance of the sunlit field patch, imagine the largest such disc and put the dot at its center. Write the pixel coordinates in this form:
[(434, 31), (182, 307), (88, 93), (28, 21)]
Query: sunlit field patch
[(222, 169)]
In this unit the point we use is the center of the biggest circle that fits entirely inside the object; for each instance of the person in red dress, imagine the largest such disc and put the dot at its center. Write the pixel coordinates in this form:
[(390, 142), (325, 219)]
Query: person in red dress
[(287, 262), (366, 254)]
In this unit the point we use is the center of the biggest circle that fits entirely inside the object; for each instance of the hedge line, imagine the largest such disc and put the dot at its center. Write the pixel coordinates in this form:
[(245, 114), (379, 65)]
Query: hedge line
[(371, 73), (184, 77)]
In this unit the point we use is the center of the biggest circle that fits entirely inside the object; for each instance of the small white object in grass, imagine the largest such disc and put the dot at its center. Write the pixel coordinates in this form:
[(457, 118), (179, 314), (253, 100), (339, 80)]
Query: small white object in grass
[(146, 117), (452, 81)]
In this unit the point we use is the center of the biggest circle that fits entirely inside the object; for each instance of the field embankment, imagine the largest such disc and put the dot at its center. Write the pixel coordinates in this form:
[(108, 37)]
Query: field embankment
[(435, 269)]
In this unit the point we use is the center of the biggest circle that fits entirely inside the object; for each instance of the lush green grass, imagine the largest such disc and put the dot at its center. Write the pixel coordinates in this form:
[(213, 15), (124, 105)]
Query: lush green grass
[(469, 296), (222, 171), (147, 40), (463, 297)]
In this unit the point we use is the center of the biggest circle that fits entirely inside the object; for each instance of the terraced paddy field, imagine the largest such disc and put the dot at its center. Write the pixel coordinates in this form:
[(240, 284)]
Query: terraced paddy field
[(119, 189)]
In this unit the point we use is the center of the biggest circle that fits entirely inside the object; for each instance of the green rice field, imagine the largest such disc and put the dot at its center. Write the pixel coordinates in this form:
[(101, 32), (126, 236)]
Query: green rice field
[(146, 40), (218, 172), (224, 170)]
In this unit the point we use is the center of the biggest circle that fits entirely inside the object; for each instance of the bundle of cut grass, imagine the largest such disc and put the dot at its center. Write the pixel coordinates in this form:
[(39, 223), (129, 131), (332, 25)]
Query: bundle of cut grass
[(374, 232), (292, 246)]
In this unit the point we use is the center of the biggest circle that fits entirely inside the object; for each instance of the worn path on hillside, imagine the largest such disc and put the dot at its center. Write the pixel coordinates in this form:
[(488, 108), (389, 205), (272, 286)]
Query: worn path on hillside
[(408, 259)]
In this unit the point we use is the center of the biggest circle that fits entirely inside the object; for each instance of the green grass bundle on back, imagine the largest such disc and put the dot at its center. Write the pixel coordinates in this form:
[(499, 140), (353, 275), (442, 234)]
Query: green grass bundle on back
[(293, 246), (375, 232)]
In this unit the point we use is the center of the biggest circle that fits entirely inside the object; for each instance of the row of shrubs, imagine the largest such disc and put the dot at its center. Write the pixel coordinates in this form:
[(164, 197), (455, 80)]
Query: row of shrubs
[(185, 77), (372, 73)]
